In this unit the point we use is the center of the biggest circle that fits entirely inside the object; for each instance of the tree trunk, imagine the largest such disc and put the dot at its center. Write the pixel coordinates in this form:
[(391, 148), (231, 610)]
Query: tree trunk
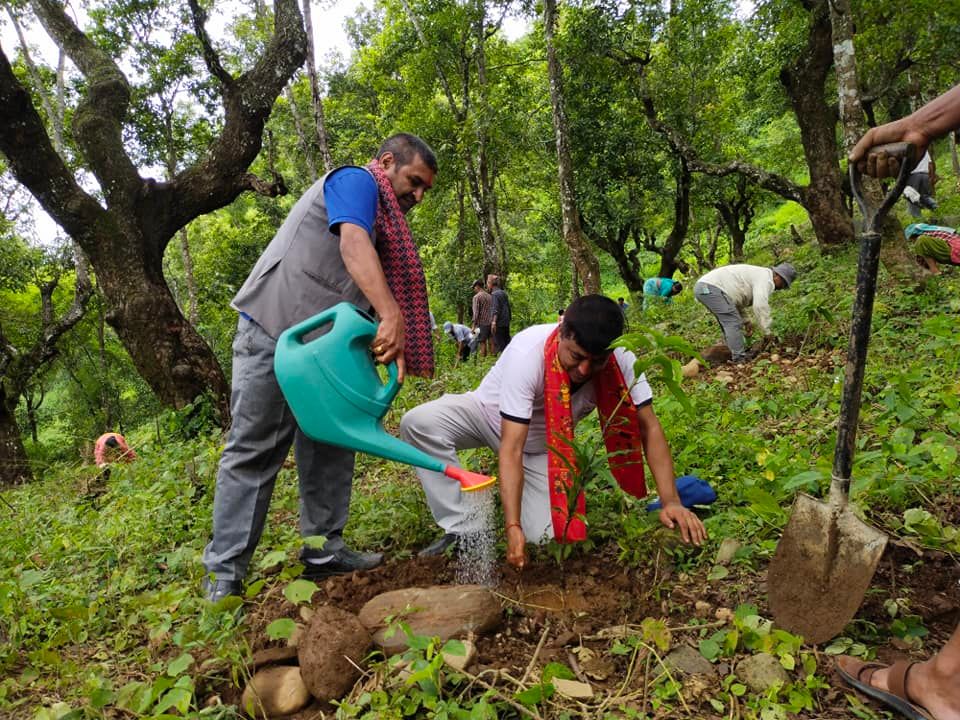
[(319, 122), (479, 180), (588, 266), (14, 464), (126, 232), (302, 140), (895, 254), (628, 264), (670, 252), (805, 82), (954, 158)]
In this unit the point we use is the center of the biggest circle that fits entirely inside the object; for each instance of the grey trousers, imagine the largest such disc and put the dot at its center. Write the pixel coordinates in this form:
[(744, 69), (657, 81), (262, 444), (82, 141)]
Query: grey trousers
[(726, 313), (260, 437), (456, 422)]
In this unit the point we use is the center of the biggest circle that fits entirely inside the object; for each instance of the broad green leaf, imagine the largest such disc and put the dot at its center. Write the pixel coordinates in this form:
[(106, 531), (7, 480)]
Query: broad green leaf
[(281, 629), (179, 665), (300, 591), (557, 670)]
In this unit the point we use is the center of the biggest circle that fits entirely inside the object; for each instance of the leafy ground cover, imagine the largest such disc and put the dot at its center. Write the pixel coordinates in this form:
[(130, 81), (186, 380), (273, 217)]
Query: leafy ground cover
[(100, 612)]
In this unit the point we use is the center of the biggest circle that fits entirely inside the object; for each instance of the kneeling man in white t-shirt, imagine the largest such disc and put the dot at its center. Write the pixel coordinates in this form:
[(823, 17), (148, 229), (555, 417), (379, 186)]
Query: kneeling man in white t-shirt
[(546, 380)]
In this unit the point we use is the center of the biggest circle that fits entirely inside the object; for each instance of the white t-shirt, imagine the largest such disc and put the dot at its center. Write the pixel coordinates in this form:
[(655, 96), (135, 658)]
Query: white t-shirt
[(746, 286), (514, 387)]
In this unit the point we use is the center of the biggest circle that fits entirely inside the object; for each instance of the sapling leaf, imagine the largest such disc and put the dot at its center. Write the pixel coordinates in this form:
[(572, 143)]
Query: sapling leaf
[(300, 591), (281, 629)]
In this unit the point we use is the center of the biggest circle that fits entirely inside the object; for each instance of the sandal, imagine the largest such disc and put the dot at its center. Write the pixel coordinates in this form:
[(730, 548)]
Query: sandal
[(858, 674)]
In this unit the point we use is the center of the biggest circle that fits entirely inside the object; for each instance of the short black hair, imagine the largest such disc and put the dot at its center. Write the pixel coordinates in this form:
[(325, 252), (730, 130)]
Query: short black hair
[(112, 442), (676, 289), (405, 148), (478, 283), (593, 321)]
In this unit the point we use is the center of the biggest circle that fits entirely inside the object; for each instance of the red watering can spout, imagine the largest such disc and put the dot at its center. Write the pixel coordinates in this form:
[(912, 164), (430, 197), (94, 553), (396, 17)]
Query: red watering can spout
[(469, 481)]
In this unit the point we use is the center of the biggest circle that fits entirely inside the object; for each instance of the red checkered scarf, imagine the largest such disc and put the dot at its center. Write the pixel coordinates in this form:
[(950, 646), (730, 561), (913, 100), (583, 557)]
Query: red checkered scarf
[(404, 272), (621, 435)]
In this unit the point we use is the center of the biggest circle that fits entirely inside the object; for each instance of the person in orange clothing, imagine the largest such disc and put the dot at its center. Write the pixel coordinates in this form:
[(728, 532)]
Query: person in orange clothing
[(112, 447)]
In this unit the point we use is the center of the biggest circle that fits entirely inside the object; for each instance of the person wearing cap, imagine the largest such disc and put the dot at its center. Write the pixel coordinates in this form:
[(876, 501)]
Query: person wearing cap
[(726, 291), (526, 409), (462, 336), (482, 317)]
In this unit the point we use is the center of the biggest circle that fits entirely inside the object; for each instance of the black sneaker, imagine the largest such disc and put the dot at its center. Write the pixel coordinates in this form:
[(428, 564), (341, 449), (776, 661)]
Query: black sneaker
[(439, 547), (340, 562), (217, 590)]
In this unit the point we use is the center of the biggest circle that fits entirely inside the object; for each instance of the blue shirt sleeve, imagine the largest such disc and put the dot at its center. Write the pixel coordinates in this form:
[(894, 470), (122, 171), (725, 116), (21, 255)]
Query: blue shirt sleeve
[(351, 196)]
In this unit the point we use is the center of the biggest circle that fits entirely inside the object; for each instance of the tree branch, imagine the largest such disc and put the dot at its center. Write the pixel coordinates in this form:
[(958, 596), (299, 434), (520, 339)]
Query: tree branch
[(221, 174), (35, 162), (98, 119), (210, 56)]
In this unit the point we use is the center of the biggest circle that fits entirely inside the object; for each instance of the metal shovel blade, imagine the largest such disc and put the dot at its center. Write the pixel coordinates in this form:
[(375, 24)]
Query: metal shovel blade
[(822, 568)]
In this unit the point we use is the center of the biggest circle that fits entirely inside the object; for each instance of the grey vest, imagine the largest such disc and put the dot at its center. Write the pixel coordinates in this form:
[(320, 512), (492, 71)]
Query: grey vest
[(301, 272)]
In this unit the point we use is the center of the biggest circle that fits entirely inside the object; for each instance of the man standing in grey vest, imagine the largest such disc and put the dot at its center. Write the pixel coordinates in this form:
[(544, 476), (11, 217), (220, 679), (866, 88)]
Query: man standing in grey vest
[(346, 239)]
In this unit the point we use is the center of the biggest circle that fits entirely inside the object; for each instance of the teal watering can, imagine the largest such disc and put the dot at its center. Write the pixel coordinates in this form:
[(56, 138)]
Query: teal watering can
[(332, 386)]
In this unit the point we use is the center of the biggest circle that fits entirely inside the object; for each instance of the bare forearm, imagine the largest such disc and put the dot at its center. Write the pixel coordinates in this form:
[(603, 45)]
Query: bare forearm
[(658, 456), (939, 116), (362, 262), (511, 485)]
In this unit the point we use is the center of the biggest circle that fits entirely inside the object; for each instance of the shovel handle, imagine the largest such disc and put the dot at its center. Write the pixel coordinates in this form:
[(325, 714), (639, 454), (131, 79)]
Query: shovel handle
[(873, 217), (867, 266)]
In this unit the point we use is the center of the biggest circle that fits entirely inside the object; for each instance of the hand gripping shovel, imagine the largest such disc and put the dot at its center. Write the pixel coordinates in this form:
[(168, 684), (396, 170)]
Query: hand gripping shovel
[(827, 556)]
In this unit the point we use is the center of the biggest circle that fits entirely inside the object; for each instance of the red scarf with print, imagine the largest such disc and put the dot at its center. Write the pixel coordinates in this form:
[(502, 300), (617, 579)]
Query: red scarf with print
[(621, 435), (404, 272)]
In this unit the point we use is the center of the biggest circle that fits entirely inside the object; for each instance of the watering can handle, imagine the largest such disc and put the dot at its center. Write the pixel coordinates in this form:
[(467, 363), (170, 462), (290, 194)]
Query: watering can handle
[(297, 332), (392, 387)]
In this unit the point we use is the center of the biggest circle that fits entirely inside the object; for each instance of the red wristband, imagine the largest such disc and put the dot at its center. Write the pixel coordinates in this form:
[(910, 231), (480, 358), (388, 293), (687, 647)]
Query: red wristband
[(512, 524)]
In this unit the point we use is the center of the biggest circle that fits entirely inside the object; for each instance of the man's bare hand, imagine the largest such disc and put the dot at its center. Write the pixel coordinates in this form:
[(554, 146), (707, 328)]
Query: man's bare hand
[(691, 528), (516, 547), (388, 345)]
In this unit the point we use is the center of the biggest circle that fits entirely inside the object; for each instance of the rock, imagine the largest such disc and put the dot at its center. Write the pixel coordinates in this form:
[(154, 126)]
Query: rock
[(461, 662), (307, 613), (759, 672), (440, 611), (274, 692), (333, 636), (702, 608), (688, 661), (728, 548), (296, 636), (573, 689), (724, 615), (691, 369), (717, 354), (272, 656), (774, 358), (724, 377)]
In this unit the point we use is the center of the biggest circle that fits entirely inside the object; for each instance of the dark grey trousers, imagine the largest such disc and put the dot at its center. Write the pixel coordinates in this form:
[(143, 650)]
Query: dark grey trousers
[(260, 437), (731, 323)]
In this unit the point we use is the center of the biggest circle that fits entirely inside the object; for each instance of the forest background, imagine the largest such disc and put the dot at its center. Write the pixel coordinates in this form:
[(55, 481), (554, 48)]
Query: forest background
[(611, 143), (169, 160)]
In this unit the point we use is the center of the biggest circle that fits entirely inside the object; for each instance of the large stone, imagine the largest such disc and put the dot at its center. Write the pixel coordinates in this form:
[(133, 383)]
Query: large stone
[(445, 612), (330, 652), (728, 548), (688, 661), (759, 672), (573, 689), (461, 662), (274, 692)]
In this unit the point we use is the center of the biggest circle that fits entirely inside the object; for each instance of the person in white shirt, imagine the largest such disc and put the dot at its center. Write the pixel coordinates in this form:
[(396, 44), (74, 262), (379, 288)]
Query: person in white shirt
[(726, 291), (547, 379)]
